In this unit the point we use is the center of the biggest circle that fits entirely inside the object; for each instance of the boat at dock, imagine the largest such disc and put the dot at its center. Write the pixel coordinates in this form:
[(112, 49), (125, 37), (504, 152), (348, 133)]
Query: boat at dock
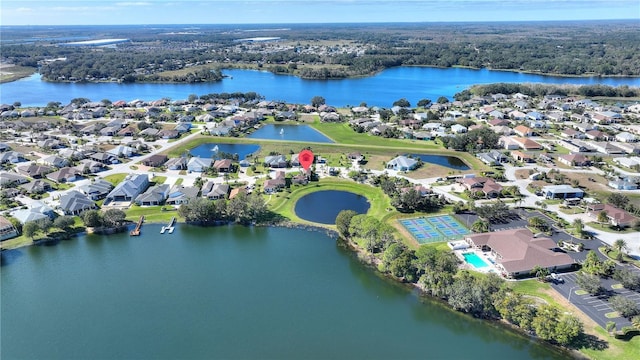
[(170, 227)]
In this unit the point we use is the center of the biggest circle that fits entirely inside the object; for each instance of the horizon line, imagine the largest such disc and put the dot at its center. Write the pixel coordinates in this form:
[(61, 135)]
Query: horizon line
[(333, 23)]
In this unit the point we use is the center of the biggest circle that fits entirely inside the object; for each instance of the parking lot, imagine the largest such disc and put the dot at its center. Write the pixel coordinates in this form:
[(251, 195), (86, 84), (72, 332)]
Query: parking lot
[(596, 307)]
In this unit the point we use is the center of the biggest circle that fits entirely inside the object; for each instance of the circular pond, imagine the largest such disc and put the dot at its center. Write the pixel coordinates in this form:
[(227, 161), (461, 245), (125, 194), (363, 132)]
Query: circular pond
[(323, 206)]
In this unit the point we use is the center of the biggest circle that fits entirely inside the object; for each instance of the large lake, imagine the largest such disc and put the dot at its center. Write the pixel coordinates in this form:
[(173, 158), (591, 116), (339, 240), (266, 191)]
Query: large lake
[(227, 292), (412, 83)]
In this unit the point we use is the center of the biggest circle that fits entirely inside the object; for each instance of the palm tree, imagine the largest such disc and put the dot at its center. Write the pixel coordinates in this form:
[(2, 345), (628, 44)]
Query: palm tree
[(480, 226), (578, 226), (620, 245), (537, 223)]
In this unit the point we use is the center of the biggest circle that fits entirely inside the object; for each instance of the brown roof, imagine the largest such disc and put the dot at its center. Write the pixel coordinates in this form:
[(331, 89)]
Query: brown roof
[(527, 144), (620, 217), (522, 129), (518, 251)]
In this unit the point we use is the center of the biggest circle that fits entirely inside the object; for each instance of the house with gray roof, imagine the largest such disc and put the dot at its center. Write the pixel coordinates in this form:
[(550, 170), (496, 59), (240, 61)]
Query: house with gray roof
[(8, 178), (97, 189), (126, 191), (180, 194), (75, 203), (7, 230), (214, 191), (176, 163), (275, 161), (122, 151), (12, 157), (197, 164), (34, 170), (155, 195), (66, 174), (402, 163)]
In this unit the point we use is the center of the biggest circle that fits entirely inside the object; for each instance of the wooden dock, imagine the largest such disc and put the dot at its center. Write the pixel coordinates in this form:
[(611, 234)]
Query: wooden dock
[(136, 231)]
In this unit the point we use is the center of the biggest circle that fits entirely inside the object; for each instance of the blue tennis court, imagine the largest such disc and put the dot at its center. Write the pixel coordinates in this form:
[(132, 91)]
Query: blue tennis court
[(435, 228)]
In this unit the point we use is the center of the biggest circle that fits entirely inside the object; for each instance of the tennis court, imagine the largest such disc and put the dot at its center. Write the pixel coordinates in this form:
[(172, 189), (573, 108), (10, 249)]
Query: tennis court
[(435, 228)]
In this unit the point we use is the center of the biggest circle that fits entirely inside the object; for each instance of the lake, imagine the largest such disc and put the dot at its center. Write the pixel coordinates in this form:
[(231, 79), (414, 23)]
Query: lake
[(382, 89), (209, 150), (289, 132), (451, 162), (323, 206), (227, 292)]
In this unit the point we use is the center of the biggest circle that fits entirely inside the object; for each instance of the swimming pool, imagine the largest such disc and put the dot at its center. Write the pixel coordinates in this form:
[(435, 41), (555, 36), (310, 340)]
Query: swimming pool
[(474, 260)]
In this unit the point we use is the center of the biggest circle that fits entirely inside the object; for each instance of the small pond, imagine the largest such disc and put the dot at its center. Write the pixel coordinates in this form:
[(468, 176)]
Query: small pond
[(209, 150), (323, 206), (289, 132), (451, 162)]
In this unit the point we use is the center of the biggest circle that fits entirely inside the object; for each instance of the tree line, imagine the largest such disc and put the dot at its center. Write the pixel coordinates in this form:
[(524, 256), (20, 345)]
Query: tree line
[(436, 272), (243, 209)]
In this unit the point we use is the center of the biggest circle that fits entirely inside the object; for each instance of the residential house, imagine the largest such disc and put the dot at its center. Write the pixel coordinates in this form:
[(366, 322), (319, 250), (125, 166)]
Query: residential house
[(237, 191), (458, 129), (626, 137), (168, 134), (562, 192), (104, 158), (12, 157), (275, 161), (180, 194), (179, 163), (215, 191), (574, 160), (569, 133), (122, 151), (53, 160), (522, 130), (493, 157), (127, 190), (97, 189), (402, 163), (87, 166), (34, 170), (616, 216), (64, 175), (521, 156), (7, 230), (622, 185), (527, 144), (517, 251), (156, 160), (499, 122), (271, 186), (629, 162), (11, 178), (223, 165), (629, 148), (153, 196), (508, 143), (196, 164), (606, 148), (75, 203), (597, 135), (127, 131)]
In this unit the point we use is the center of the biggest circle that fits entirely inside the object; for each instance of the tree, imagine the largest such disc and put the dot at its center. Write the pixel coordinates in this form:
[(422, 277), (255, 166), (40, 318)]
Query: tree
[(64, 223), (618, 200), (92, 218), (480, 226), (624, 306), (603, 217), (29, 229), (540, 272), (629, 279), (620, 246), (589, 283), (316, 101), (442, 100), (592, 264), (343, 220), (423, 103), (114, 218), (44, 224), (578, 226), (568, 329), (537, 223), (545, 322), (402, 103)]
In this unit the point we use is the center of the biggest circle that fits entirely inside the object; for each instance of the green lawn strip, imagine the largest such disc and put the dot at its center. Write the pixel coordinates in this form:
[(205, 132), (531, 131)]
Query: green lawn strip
[(152, 214), (616, 349), (535, 288), (613, 254), (115, 179), (609, 229), (284, 203), (617, 286), (179, 181), (612, 315), (581, 292), (158, 180)]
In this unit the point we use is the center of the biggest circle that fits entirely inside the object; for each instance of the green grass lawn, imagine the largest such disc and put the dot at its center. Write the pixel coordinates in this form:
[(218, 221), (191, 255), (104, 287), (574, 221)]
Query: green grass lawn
[(152, 214), (284, 203), (115, 179), (158, 180)]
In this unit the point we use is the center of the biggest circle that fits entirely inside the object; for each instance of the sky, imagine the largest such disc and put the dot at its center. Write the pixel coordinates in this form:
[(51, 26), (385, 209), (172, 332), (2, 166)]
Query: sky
[(114, 12)]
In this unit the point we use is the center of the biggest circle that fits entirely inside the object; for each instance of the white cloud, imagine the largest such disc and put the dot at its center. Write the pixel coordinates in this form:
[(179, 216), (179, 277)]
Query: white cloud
[(138, 3)]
